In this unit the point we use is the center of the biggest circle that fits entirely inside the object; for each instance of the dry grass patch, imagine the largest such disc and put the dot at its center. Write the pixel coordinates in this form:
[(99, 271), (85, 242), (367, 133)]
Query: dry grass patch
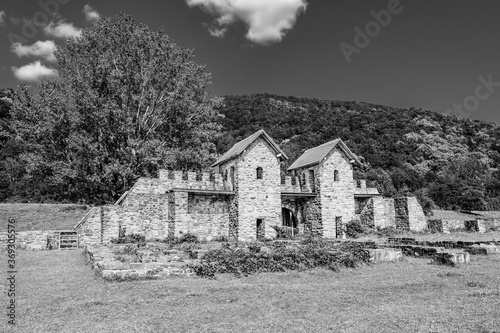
[(58, 292)]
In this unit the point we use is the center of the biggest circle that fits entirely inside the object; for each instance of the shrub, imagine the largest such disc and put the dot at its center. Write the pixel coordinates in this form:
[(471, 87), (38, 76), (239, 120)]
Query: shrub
[(355, 228), (129, 253), (221, 238), (187, 238), (285, 232), (140, 240), (279, 257), (388, 232)]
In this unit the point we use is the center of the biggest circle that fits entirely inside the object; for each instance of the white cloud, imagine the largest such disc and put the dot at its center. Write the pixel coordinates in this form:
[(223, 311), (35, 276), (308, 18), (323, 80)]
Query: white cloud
[(2, 16), (62, 29), (90, 13), (217, 32), (43, 49), (34, 72), (267, 20)]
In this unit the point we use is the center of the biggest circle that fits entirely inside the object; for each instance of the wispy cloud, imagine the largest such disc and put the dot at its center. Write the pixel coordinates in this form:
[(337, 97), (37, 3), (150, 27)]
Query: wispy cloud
[(34, 72), (90, 13), (62, 29), (43, 49), (267, 20), (2, 16)]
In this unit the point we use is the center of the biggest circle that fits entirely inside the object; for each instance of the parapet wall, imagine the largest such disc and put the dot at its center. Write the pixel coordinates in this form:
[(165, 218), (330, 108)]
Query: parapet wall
[(169, 179)]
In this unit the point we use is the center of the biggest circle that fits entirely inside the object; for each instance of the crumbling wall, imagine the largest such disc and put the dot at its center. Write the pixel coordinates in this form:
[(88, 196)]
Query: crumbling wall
[(206, 216), (409, 215), (91, 229)]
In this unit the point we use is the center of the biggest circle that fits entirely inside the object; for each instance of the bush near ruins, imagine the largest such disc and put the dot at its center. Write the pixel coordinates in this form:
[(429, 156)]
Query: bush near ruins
[(138, 239), (279, 257), (355, 228)]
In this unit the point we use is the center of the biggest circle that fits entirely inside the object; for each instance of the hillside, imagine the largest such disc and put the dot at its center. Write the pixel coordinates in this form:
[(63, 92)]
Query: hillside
[(446, 161), (42, 216)]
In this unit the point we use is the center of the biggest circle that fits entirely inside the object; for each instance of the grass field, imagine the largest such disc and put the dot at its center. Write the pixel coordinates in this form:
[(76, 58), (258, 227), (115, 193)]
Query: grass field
[(58, 292), (43, 216)]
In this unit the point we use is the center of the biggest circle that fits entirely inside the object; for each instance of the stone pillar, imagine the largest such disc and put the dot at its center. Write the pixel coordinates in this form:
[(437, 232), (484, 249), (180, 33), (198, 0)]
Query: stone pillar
[(177, 177), (191, 176), (163, 174)]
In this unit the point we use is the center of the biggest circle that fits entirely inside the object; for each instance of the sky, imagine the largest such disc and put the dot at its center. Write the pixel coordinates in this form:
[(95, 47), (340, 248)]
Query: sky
[(438, 55)]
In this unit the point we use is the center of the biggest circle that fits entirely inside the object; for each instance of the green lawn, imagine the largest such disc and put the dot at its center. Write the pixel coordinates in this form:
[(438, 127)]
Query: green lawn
[(58, 292)]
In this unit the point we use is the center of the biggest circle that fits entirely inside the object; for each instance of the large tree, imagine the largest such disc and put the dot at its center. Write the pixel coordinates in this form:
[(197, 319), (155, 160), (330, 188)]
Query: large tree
[(129, 100)]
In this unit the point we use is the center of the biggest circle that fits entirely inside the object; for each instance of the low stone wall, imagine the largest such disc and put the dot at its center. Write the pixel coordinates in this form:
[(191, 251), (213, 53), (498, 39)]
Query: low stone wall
[(104, 261), (445, 226), (35, 240), (445, 244), (490, 224)]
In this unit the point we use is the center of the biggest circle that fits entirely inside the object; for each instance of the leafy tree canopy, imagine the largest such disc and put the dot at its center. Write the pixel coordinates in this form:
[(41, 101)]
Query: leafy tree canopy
[(128, 101)]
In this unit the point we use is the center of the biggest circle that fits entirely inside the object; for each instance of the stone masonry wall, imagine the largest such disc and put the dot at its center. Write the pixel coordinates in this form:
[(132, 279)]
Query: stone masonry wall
[(205, 216), (258, 198), (34, 240), (337, 197), (389, 213), (177, 179), (367, 216), (231, 180), (409, 214), (416, 215), (91, 230)]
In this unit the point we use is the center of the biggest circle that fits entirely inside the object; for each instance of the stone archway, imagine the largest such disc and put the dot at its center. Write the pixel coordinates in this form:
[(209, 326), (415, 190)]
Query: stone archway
[(288, 218)]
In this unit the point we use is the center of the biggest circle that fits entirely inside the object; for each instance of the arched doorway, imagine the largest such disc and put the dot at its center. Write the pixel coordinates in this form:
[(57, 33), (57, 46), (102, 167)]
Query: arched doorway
[(290, 223)]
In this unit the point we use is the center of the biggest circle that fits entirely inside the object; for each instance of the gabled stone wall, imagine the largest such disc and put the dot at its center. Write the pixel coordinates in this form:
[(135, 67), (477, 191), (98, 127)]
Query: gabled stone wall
[(337, 197), (257, 198)]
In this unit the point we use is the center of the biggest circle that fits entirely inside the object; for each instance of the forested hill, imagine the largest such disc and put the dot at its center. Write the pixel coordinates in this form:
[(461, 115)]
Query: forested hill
[(444, 160)]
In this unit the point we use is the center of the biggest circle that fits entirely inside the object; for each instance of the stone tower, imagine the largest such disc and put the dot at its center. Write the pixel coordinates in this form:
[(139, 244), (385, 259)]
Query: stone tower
[(328, 171), (252, 167)]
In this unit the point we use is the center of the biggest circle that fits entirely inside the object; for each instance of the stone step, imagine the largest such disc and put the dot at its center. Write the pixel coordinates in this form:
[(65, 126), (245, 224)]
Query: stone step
[(483, 249), (450, 258), (385, 255)]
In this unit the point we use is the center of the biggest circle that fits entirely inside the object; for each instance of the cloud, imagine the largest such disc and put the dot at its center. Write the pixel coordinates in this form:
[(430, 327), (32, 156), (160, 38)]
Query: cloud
[(2, 16), (62, 29), (90, 13), (267, 20), (34, 72), (44, 49)]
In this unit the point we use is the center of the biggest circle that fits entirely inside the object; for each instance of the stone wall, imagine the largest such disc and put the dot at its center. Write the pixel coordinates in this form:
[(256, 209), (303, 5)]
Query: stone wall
[(401, 213), (389, 213), (178, 179), (409, 215), (91, 228), (257, 198), (445, 226), (490, 224), (35, 240), (337, 197), (367, 216), (291, 185), (206, 216)]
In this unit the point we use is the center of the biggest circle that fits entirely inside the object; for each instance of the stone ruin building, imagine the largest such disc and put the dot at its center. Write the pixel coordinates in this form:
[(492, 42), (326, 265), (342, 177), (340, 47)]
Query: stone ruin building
[(246, 197)]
